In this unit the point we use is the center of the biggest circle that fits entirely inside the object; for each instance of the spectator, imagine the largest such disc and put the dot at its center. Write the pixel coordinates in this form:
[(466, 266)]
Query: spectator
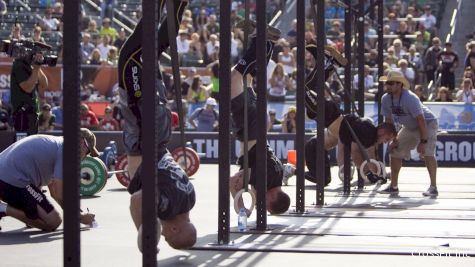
[(86, 47), (335, 30), (467, 93), (36, 37), (46, 119), (431, 59), (212, 48), (200, 21), (87, 118), (470, 57), (92, 28), (16, 32), (399, 50), (112, 56), (443, 95), (108, 123), (411, 24), (292, 34), (197, 94), (108, 30), (120, 39), (393, 23), (287, 59), (211, 28), (95, 58), (48, 23), (278, 84), (107, 9), (289, 123), (407, 71), (368, 79), (370, 36), (213, 68), (58, 114), (182, 43), (426, 35), (403, 31), (207, 118), (274, 123), (449, 61), (104, 46), (415, 62), (419, 91), (428, 20)]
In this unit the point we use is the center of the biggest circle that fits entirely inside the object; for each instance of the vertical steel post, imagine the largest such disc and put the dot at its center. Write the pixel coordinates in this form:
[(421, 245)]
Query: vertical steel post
[(224, 119), (300, 136), (380, 67), (149, 144), (71, 160), (261, 76), (348, 86), (320, 65), (361, 61)]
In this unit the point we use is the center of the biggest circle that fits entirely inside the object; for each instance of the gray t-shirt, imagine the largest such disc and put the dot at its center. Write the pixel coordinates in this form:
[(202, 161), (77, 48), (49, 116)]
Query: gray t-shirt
[(404, 109), (205, 118), (35, 159)]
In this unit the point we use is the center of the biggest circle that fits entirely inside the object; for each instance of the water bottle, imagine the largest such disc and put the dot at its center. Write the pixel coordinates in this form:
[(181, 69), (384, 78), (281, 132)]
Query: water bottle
[(242, 220)]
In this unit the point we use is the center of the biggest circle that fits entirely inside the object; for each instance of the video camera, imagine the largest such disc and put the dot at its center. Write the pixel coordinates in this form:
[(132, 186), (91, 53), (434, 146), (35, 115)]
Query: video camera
[(27, 49)]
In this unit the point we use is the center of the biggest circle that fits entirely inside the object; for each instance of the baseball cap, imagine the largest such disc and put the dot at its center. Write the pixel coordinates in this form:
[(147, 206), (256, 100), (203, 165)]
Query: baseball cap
[(90, 140), (211, 101)]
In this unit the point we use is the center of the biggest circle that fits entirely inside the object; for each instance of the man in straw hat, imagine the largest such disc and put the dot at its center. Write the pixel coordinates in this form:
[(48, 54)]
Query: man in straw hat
[(28, 165), (417, 129)]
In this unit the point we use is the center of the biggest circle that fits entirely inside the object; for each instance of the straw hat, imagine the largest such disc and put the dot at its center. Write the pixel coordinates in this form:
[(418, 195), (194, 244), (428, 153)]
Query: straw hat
[(395, 76)]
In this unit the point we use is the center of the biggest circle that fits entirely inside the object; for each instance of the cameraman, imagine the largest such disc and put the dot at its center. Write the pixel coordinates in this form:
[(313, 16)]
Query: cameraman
[(26, 82)]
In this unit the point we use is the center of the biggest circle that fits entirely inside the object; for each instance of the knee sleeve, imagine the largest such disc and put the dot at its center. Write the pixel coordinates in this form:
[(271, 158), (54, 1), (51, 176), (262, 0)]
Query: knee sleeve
[(247, 64)]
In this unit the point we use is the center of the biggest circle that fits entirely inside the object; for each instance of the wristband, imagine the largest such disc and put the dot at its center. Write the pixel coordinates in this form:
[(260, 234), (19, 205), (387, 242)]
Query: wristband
[(423, 141)]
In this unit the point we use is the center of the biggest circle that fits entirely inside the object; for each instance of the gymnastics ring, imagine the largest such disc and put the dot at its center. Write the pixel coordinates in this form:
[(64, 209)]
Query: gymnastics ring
[(341, 173), (375, 162), (239, 195)]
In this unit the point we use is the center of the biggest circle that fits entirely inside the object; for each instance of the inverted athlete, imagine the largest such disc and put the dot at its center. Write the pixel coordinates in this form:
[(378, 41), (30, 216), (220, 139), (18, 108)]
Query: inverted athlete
[(177, 195)]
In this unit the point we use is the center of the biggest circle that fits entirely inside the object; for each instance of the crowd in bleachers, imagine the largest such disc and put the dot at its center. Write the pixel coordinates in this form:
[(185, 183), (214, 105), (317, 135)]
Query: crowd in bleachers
[(411, 44)]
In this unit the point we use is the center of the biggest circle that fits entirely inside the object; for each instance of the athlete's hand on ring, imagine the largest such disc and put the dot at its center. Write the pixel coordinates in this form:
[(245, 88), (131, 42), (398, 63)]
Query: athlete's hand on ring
[(87, 218)]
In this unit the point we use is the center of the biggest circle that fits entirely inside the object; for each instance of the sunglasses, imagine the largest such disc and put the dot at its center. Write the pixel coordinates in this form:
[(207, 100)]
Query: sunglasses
[(390, 82)]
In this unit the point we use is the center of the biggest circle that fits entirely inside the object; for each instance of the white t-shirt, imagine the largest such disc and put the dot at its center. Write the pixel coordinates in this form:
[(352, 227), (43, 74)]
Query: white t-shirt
[(466, 96)]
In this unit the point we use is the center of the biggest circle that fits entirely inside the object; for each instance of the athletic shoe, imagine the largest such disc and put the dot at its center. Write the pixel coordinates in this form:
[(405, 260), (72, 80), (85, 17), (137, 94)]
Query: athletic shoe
[(389, 190), (289, 171), (273, 33), (431, 192), (330, 53)]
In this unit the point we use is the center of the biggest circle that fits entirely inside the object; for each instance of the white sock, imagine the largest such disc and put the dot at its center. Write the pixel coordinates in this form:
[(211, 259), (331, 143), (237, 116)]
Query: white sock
[(3, 207)]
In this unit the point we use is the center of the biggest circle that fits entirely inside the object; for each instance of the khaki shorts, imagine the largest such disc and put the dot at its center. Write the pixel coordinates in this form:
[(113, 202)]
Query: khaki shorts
[(409, 139)]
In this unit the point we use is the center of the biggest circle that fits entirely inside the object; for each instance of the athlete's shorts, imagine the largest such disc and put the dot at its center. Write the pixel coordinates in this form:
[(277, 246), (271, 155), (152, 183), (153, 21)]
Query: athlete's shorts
[(132, 130), (172, 183), (237, 113), (26, 199), (409, 139), (275, 169)]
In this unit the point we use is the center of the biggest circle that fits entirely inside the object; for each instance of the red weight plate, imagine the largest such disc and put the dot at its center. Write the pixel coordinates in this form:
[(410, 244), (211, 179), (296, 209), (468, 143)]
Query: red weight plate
[(192, 160), (121, 164)]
